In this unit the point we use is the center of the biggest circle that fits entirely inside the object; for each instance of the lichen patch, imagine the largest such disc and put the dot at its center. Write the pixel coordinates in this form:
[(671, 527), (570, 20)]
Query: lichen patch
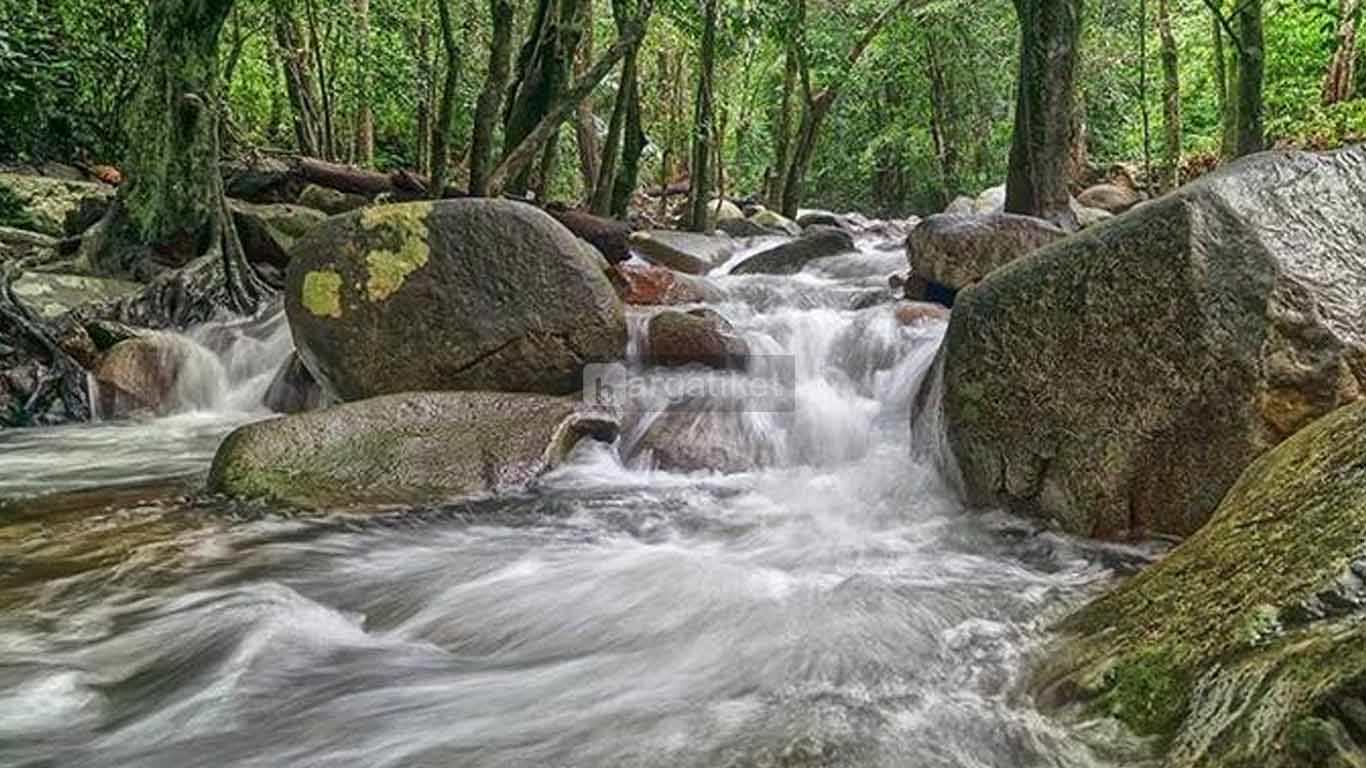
[(321, 294)]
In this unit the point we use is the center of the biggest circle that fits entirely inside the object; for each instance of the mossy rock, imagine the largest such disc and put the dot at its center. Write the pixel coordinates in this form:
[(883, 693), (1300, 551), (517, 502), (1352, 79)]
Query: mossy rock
[(409, 448), (454, 295), (53, 207), (1247, 644), (1117, 382)]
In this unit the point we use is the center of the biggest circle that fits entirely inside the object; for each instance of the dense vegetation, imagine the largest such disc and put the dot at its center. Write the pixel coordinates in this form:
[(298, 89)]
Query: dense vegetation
[(924, 113)]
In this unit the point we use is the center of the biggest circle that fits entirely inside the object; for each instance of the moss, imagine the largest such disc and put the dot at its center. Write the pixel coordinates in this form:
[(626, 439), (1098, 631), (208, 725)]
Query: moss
[(321, 293), (1147, 692), (406, 227), (12, 210)]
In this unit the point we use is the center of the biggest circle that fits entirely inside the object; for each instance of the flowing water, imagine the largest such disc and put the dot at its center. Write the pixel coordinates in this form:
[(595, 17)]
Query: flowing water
[(835, 606)]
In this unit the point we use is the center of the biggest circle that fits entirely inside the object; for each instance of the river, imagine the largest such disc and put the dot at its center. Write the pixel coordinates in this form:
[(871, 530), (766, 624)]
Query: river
[(836, 607)]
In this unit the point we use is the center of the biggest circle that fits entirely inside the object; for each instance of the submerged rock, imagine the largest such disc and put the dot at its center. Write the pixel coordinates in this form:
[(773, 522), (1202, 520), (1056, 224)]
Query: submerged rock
[(1245, 645), (153, 372), (407, 448), (701, 337), (695, 436), (454, 295), (686, 252), (958, 250), (54, 207), (790, 258), (1120, 381)]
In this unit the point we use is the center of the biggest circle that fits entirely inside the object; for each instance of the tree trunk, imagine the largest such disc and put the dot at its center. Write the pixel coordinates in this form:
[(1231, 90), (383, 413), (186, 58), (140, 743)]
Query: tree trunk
[(941, 118), (424, 98), (490, 101), (299, 85), (782, 156), (1221, 87), (1341, 77), (365, 120), (543, 66), (600, 199), (1037, 182), (329, 136), (699, 196), (445, 113), (1251, 133), (1143, 89), (633, 144), (813, 115), (173, 203), (1171, 99), (585, 125)]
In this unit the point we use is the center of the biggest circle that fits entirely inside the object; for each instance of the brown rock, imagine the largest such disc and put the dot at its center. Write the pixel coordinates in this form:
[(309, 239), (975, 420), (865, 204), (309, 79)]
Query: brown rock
[(958, 250), (678, 339), (917, 312), (1114, 198), (650, 285)]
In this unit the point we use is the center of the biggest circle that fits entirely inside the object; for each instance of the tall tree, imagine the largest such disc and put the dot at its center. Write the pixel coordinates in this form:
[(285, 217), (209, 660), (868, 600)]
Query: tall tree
[(633, 144), (490, 101), (1341, 77), (1251, 131), (543, 73), (304, 99), (1171, 98), (601, 194), (172, 212), (1037, 179), (1222, 91), (699, 194), (445, 112), (365, 119), (585, 123), (782, 156)]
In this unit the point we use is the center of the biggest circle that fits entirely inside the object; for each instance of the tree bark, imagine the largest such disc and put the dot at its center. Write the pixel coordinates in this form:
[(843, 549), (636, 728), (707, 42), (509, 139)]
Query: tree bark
[(172, 210), (543, 66), (365, 120), (1171, 99), (941, 118), (1251, 132), (490, 101), (1037, 180), (783, 128), (329, 135), (445, 113), (1340, 80), (700, 171)]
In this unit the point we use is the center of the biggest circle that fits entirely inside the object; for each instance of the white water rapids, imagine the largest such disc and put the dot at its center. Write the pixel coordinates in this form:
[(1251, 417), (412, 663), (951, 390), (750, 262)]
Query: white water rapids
[(838, 607)]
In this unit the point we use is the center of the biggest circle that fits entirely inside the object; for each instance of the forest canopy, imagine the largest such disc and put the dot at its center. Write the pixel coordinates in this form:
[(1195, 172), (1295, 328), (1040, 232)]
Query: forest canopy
[(924, 113)]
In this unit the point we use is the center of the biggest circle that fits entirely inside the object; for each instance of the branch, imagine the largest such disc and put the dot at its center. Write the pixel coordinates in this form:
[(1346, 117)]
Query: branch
[(881, 21), (515, 160), (1233, 37)]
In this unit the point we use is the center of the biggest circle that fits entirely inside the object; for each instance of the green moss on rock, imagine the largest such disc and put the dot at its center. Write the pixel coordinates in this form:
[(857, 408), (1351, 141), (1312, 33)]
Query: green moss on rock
[(1225, 647)]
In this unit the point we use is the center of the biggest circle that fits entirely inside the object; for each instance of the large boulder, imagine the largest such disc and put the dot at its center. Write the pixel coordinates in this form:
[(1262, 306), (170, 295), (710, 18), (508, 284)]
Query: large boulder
[(52, 294), (331, 201), (723, 210), (269, 231), (406, 448), (820, 218), (741, 228), (1119, 381), (460, 294), (1115, 198), (687, 252), (790, 258), (1245, 646), (700, 337), (957, 250), (51, 206)]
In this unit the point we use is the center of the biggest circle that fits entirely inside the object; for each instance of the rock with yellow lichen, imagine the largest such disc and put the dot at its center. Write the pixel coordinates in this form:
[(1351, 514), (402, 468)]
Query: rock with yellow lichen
[(453, 295), (1247, 644)]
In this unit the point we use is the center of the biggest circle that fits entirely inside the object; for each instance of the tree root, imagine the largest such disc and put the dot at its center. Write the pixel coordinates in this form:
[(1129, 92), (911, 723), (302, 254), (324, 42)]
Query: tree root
[(59, 376)]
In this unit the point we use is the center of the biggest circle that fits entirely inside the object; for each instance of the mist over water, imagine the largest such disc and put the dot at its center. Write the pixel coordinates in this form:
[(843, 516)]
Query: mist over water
[(836, 606)]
